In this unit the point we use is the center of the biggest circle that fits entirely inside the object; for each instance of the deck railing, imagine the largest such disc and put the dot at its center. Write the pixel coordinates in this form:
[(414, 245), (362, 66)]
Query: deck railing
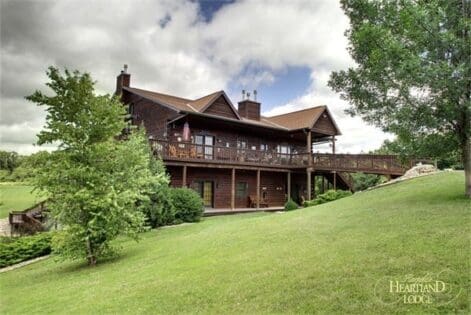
[(368, 163), (214, 153)]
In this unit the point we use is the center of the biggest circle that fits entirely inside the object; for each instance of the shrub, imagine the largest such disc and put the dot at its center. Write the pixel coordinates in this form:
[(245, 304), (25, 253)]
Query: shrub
[(188, 204), (328, 196), (362, 181), (159, 210), (291, 205), (17, 249)]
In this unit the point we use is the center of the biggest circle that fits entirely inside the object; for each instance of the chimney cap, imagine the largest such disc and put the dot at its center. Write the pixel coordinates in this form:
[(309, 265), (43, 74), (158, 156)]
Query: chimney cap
[(125, 68)]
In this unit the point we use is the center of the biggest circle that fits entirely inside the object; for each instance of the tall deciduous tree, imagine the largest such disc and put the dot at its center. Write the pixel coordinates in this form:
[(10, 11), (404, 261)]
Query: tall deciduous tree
[(413, 74), (94, 180)]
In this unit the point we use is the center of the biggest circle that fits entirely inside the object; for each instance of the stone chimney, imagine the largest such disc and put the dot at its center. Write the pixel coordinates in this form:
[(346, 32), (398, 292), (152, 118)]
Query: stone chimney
[(122, 80), (248, 108)]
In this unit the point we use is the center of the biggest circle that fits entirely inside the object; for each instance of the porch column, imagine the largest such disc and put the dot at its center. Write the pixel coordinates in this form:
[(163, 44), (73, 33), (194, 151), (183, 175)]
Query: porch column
[(333, 144), (288, 181), (323, 184), (233, 189), (309, 169), (184, 176), (308, 175), (309, 147), (258, 189)]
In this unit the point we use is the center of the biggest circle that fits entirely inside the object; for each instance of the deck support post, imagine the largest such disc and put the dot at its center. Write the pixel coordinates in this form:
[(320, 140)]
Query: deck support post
[(184, 176), (308, 175), (258, 189), (335, 180), (314, 186), (233, 189), (288, 181), (323, 184)]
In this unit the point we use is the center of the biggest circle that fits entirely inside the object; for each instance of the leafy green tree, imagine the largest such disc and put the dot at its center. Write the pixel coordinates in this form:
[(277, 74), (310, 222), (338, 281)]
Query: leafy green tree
[(28, 165), (95, 180), (413, 73), (159, 209), (9, 160), (445, 151)]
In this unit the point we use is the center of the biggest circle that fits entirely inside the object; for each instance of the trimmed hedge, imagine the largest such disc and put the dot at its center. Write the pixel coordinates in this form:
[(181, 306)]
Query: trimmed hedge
[(328, 196), (17, 249), (188, 204), (291, 205)]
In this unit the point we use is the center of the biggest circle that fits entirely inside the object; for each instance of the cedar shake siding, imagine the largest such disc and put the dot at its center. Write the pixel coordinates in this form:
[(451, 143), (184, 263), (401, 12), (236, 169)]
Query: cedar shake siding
[(324, 124), (154, 117), (272, 185), (220, 107)]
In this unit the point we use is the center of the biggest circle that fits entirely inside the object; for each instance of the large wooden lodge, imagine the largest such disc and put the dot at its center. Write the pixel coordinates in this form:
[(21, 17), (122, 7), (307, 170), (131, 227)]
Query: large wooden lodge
[(238, 159)]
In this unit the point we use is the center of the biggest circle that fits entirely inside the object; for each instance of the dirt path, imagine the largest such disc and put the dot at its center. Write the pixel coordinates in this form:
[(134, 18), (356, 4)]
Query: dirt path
[(4, 227)]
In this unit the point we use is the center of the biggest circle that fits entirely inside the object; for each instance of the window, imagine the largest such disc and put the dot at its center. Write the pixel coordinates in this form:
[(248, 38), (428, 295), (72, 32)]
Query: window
[(204, 146), (263, 147), (254, 147), (241, 144), (264, 195), (283, 149), (242, 189)]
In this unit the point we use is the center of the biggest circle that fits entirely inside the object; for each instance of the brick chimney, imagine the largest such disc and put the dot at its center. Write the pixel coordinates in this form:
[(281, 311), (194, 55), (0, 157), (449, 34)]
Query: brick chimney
[(122, 80), (248, 108)]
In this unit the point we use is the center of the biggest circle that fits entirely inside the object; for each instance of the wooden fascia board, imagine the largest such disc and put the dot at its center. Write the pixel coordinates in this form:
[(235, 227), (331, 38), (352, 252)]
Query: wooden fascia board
[(153, 101)]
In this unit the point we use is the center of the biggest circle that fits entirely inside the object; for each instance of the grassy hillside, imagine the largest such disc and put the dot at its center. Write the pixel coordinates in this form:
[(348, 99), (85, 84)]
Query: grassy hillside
[(16, 196), (326, 259)]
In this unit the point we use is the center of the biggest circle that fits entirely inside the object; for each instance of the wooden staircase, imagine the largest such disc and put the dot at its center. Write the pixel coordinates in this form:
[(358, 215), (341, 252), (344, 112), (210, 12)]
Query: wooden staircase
[(28, 221)]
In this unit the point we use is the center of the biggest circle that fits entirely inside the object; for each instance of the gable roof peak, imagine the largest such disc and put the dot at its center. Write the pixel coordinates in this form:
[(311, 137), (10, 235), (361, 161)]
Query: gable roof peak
[(298, 111)]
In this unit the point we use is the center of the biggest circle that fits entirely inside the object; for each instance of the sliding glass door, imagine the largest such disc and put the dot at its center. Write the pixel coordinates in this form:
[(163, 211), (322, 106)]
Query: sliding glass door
[(204, 146)]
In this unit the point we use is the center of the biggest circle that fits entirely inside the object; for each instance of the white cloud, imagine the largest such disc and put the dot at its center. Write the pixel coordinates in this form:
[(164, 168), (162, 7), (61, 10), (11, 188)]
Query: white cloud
[(186, 57)]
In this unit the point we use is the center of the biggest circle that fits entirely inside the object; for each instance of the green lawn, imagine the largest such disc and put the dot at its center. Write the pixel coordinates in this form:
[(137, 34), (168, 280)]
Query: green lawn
[(324, 259), (16, 196)]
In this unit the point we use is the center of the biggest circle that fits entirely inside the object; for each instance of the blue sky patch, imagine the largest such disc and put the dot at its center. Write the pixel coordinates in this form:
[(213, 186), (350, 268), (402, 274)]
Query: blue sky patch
[(209, 7), (285, 85)]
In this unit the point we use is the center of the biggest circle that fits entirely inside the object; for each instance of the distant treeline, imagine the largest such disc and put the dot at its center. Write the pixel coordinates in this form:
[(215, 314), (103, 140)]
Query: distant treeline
[(19, 168)]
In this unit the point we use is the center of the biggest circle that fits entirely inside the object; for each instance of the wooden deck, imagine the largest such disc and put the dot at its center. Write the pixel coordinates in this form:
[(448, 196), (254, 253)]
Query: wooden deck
[(218, 156)]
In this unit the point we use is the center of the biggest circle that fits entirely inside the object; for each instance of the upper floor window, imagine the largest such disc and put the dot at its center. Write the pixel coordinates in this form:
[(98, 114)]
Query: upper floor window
[(283, 149), (241, 144)]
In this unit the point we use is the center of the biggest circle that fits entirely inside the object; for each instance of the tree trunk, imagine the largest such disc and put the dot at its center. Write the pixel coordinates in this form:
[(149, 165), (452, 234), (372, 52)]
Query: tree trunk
[(467, 165), (91, 258)]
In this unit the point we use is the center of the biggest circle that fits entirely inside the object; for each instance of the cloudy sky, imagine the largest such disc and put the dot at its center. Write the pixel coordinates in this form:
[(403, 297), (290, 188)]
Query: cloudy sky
[(284, 49)]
